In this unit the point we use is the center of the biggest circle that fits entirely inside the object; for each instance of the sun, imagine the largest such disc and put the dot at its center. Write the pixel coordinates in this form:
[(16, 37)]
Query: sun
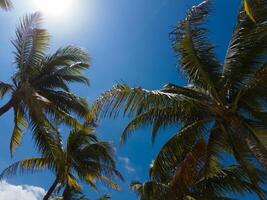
[(53, 8)]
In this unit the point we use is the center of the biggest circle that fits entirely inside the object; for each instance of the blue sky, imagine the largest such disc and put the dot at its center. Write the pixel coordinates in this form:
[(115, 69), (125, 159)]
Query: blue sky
[(128, 41)]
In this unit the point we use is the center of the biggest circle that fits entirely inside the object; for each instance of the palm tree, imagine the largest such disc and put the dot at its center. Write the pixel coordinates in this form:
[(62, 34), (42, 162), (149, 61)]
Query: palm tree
[(184, 174), (6, 4), (225, 102), (83, 158), (40, 86)]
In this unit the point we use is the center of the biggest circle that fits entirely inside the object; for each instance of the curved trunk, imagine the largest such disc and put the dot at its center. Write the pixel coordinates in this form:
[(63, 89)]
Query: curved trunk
[(51, 189), (7, 106)]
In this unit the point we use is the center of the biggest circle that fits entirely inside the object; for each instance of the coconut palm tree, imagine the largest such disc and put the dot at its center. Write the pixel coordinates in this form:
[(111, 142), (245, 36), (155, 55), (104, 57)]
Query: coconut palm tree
[(5, 4), (39, 92), (225, 102), (185, 174), (83, 158)]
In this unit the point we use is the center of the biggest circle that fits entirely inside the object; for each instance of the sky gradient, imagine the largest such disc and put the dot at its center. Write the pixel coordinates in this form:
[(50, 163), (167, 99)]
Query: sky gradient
[(129, 42)]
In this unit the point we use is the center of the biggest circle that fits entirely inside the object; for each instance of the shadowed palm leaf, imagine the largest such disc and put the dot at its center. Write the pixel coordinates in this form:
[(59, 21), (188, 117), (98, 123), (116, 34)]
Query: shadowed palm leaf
[(228, 100), (190, 178)]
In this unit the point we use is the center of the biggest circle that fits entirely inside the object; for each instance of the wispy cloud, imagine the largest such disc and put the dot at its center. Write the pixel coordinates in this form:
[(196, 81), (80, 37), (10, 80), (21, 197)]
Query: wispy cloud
[(127, 164), (20, 192)]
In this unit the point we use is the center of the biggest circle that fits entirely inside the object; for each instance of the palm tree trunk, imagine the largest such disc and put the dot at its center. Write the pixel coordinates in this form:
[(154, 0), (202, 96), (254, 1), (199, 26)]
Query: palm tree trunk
[(51, 189), (6, 107)]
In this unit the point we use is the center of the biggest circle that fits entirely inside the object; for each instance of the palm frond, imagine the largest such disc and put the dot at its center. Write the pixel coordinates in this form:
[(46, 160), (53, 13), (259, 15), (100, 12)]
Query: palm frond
[(31, 43), (4, 88), (132, 100), (217, 144), (109, 182), (241, 154), (247, 48), (149, 190), (256, 146), (232, 179), (67, 102), (63, 67), (196, 53), (175, 150), (255, 87), (157, 107), (248, 10), (45, 135), (20, 124), (27, 165), (72, 182), (188, 170), (6, 4), (92, 159)]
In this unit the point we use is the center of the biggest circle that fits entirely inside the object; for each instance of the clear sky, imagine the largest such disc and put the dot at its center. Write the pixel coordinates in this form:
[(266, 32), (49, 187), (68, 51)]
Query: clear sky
[(128, 41)]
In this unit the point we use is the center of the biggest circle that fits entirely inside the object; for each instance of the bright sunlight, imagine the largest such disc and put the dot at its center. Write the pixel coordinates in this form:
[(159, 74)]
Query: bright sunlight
[(53, 7)]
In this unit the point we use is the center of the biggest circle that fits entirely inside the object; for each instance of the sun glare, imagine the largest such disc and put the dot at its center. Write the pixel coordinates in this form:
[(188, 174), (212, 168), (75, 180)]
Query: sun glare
[(54, 8)]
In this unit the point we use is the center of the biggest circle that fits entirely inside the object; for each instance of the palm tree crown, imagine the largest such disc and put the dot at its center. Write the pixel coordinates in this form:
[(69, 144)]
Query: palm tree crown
[(83, 158), (224, 103), (40, 87)]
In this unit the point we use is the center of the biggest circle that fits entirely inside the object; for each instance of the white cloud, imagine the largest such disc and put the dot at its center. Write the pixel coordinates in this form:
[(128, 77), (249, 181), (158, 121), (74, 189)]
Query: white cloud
[(20, 192), (127, 164)]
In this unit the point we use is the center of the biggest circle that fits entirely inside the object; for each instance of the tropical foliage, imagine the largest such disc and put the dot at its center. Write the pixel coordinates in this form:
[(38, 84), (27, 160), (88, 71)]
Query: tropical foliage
[(221, 112), (6, 4), (39, 92), (186, 174), (223, 103), (83, 158), (40, 98)]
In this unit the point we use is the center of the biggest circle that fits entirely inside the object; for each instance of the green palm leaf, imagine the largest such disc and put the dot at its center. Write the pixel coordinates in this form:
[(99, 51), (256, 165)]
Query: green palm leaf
[(20, 124), (197, 58), (31, 43), (6, 4), (27, 165), (159, 107)]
